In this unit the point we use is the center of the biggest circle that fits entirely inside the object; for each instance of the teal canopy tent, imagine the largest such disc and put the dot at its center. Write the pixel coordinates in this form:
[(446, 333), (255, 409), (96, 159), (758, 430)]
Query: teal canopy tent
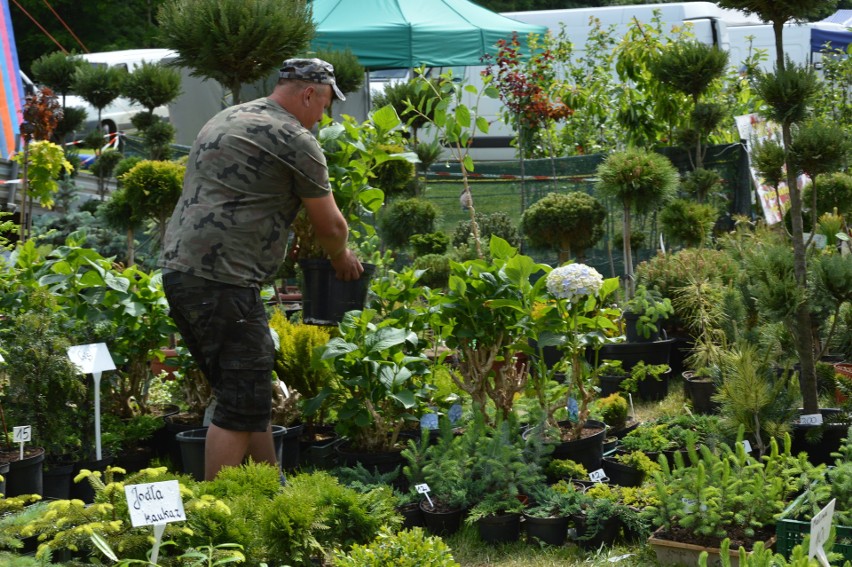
[(387, 34)]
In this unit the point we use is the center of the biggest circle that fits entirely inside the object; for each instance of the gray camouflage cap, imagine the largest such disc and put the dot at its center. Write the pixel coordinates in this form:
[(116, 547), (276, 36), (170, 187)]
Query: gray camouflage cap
[(312, 70)]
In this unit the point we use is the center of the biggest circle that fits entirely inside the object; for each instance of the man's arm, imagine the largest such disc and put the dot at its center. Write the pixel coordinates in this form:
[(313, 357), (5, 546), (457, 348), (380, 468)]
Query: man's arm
[(332, 233)]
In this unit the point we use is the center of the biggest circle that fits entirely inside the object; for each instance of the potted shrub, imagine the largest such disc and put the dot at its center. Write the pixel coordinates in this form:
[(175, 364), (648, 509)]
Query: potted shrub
[(354, 153), (547, 515), (833, 483), (500, 471), (644, 314), (613, 411), (577, 316), (651, 381), (629, 469), (604, 516), (721, 492), (443, 470), (639, 180), (382, 373), (610, 375), (484, 320)]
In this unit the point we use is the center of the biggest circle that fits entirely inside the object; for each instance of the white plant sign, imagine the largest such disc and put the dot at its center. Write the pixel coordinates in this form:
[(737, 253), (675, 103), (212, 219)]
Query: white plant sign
[(820, 532), (22, 434), (156, 504), (93, 359)]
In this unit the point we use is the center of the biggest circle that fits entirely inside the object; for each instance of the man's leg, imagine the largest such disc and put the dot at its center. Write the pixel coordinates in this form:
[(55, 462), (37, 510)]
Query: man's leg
[(227, 448), (224, 448), (262, 448)]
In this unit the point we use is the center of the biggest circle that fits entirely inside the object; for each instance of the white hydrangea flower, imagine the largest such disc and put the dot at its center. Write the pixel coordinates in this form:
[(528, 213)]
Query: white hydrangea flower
[(574, 282)]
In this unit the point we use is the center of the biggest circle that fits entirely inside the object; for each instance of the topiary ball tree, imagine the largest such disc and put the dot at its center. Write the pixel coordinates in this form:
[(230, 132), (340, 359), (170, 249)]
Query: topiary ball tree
[(153, 190), (404, 218), (688, 222), (641, 181), (566, 222)]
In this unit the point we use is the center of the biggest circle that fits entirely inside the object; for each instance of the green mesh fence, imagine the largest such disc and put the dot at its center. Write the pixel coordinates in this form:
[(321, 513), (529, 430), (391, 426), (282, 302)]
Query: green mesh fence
[(503, 186)]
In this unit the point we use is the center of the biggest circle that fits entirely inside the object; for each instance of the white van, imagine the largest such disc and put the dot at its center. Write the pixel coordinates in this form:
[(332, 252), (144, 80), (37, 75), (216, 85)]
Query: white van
[(116, 116)]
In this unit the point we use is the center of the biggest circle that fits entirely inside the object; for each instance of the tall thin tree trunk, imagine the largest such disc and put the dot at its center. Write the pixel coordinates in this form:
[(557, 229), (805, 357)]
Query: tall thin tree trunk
[(804, 331)]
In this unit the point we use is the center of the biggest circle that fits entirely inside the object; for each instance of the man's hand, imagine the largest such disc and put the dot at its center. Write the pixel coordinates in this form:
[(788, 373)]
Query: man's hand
[(347, 267)]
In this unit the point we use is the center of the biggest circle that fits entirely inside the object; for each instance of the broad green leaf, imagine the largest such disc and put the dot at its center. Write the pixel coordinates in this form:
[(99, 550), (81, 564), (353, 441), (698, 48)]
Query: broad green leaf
[(482, 124), (386, 118), (468, 163), (463, 116)]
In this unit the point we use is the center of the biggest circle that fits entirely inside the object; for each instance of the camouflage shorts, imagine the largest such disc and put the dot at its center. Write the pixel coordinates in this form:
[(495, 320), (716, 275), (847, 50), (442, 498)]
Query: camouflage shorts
[(226, 330)]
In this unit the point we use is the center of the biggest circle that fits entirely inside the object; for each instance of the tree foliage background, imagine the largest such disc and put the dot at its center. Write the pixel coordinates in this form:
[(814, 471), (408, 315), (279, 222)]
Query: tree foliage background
[(106, 25)]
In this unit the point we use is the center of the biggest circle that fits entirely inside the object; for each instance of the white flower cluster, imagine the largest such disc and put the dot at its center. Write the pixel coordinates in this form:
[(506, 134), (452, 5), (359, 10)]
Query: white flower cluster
[(574, 281)]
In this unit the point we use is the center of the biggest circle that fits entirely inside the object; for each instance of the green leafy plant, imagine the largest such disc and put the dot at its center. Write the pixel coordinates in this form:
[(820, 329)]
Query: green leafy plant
[(728, 487), (429, 243), (554, 501), (408, 548), (566, 468), (641, 372), (484, 317), (297, 362), (639, 180), (638, 460), (382, 378), (612, 410), (404, 218), (499, 469), (651, 308)]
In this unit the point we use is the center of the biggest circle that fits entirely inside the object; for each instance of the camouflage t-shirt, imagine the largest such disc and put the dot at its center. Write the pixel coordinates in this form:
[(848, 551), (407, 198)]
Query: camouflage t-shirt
[(247, 171)]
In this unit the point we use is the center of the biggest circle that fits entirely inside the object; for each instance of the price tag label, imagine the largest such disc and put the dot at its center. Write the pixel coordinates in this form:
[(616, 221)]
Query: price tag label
[(811, 419), (22, 434), (746, 446), (597, 476), (154, 503), (820, 531), (91, 358)]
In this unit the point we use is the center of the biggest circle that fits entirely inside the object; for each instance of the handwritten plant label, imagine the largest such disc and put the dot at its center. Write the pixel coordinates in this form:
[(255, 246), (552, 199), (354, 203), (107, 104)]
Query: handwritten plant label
[(154, 503), (811, 419), (91, 358), (746, 446), (22, 434), (597, 476), (820, 532)]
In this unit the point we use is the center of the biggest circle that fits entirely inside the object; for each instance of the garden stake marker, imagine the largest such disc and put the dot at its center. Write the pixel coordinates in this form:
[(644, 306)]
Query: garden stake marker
[(93, 359), (424, 490), (22, 434)]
